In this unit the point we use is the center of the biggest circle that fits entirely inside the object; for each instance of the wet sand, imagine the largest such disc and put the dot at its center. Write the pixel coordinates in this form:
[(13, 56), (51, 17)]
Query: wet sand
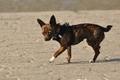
[(25, 54)]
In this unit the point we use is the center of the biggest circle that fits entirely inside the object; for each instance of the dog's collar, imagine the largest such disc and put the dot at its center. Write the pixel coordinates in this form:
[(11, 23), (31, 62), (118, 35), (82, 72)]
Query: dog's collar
[(57, 34)]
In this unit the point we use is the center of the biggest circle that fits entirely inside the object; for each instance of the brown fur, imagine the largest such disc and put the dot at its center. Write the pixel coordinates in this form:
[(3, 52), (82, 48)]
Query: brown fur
[(72, 35)]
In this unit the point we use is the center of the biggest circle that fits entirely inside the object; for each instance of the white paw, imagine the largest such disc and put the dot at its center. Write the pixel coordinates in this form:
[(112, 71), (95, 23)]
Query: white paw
[(52, 59), (91, 61), (66, 61)]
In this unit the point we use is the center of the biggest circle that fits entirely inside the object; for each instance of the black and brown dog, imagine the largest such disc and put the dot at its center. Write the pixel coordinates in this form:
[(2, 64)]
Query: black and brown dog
[(70, 35)]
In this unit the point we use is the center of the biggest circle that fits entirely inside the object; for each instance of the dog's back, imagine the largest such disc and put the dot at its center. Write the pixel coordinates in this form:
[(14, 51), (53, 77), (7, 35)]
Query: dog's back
[(91, 32)]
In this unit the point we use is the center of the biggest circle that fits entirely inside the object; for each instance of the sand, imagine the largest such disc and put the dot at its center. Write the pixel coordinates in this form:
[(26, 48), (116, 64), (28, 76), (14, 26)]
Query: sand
[(24, 54), (56, 5)]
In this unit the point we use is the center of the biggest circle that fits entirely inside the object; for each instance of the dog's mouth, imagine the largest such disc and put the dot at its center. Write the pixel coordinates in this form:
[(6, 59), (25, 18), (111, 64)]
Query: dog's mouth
[(47, 39)]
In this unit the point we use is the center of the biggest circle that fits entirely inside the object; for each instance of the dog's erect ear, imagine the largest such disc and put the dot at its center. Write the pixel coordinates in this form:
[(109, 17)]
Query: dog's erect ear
[(52, 20), (40, 22)]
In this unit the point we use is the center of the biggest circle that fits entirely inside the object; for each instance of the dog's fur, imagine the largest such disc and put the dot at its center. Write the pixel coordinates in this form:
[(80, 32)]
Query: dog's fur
[(72, 35)]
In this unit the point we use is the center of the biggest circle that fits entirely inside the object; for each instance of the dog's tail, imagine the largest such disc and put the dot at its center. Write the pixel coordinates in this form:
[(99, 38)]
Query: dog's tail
[(107, 28)]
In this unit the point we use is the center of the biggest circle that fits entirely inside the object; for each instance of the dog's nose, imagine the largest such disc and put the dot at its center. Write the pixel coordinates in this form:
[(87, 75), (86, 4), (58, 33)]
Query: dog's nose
[(47, 39)]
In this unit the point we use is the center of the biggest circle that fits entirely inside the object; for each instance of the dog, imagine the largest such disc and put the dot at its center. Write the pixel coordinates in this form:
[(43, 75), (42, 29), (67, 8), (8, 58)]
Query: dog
[(68, 35)]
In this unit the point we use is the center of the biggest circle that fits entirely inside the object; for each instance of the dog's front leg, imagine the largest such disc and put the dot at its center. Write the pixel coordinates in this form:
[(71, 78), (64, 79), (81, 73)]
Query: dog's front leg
[(57, 53), (69, 54)]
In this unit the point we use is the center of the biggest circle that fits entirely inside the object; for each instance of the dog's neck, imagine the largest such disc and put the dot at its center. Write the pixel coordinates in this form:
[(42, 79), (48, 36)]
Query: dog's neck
[(57, 34), (61, 30)]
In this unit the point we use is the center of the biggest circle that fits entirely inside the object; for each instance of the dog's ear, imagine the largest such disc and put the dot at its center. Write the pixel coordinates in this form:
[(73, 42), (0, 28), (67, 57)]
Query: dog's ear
[(52, 20), (40, 22)]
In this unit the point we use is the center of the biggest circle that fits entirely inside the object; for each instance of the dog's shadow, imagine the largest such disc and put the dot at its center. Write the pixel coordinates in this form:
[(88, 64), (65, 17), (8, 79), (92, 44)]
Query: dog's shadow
[(112, 60), (86, 62)]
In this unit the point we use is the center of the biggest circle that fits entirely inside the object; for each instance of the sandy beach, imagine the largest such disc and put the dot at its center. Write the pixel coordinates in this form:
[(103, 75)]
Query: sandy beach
[(57, 5), (24, 54)]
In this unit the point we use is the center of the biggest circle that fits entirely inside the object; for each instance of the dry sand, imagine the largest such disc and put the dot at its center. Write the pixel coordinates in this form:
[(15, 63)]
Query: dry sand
[(24, 54), (56, 5)]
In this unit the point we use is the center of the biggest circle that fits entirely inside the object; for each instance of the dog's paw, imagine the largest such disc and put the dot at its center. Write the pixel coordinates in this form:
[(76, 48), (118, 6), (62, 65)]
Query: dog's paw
[(66, 61), (91, 61), (52, 59)]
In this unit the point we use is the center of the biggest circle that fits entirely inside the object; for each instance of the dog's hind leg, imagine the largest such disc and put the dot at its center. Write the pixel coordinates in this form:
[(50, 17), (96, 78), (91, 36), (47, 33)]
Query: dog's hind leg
[(96, 49), (97, 52)]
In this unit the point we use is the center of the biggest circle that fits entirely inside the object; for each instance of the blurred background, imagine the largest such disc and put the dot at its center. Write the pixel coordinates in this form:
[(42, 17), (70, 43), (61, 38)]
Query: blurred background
[(57, 5)]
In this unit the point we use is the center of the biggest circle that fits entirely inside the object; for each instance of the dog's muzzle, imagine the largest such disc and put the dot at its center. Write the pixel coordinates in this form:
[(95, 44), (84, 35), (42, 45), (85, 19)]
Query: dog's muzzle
[(47, 39)]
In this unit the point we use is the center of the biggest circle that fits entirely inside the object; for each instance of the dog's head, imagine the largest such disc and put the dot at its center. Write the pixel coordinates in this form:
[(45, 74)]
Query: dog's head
[(48, 30)]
